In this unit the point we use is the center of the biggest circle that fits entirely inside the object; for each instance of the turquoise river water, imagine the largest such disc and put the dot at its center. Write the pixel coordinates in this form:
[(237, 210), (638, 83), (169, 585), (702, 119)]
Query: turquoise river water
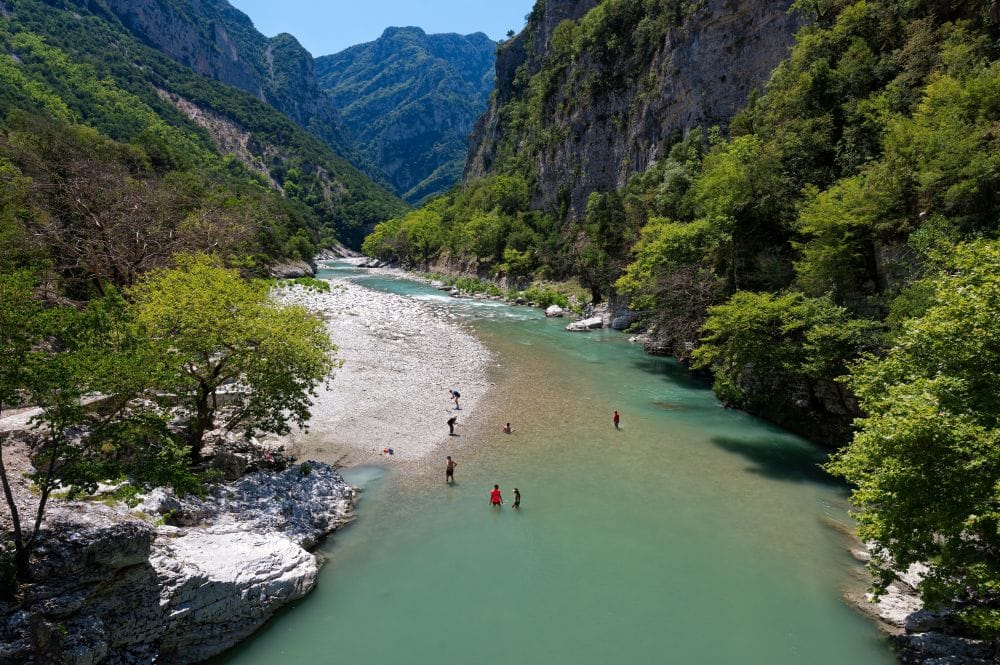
[(696, 534)]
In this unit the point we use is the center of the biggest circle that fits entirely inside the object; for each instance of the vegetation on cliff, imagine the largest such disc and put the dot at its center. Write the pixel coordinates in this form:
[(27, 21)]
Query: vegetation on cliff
[(116, 163), (817, 237), (76, 65)]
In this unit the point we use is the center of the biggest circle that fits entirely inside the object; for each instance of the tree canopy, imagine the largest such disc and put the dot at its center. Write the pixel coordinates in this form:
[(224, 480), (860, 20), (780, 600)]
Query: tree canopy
[(926, 458), (215, 332)]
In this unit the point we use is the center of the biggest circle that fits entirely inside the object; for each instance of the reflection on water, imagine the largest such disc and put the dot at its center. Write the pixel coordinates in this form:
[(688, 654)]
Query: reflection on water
[(696, 534)]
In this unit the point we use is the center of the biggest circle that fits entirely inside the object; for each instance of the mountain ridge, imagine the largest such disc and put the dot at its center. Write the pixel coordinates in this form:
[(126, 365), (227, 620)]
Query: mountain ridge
[(410, 99)]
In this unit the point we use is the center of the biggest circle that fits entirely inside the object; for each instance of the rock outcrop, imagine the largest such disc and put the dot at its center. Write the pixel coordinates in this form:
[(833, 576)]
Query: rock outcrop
[(921, 636), (177, 580), (602, 124), (292, 269)]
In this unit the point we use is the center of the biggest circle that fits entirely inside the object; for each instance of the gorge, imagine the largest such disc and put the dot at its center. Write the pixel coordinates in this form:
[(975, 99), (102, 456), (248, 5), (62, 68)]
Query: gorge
[(798, 200)]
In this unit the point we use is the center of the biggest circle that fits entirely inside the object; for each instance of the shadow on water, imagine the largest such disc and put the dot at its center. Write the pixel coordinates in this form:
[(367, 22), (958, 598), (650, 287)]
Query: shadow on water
[(781, 460), (671, 371)]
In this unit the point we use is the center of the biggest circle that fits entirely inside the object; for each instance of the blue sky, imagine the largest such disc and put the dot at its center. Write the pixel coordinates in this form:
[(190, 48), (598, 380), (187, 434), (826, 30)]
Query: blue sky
[(331, 26)]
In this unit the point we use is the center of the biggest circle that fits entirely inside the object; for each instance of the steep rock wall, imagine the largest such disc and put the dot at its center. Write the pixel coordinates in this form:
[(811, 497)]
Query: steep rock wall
[(700, 75)]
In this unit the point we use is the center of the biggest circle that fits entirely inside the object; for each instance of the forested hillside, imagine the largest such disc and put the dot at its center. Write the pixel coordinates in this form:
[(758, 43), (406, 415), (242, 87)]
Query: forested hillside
[(410, 101), (71, 71), (218, 41), (829, 252)]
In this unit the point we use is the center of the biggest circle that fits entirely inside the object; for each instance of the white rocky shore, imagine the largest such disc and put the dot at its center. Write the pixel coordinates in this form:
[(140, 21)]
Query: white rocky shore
[(114, 585), (401, 357), (920, 636)]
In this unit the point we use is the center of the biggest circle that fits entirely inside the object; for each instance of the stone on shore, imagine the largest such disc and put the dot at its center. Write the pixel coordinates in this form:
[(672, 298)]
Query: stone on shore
[(292, 269), (554, 311), (586, 325)]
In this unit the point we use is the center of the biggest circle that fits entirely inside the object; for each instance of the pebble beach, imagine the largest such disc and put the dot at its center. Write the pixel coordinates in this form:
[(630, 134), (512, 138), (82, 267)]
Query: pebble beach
[(400, 358)]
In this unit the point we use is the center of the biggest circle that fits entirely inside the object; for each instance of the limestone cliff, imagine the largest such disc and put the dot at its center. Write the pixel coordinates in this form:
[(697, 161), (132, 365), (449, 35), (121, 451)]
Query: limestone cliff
[(603, 119)]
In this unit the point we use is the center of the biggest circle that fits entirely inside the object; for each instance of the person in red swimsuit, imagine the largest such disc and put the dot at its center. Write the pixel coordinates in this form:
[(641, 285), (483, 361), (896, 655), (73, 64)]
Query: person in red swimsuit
[(617, 419), (495, 498)]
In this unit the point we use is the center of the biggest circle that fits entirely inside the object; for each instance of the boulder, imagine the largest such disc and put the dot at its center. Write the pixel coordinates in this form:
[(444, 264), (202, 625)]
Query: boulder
[(586, 325), (111, 586), (554, 311), (221, 584), (292, 269), (624, 319)]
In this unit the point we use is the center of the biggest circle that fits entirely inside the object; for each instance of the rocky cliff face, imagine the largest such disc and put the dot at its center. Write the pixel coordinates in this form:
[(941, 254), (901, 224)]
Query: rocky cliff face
[(601, 126), (218, 41), (410, 100)]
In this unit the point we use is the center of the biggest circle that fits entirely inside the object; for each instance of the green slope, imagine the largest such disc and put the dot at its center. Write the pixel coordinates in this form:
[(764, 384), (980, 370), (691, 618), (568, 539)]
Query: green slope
[(76, 62), (410, 100)]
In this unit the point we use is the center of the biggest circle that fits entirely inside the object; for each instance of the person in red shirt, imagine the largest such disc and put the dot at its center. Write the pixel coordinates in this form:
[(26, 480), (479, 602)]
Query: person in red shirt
[(617, 419), (495, 498)]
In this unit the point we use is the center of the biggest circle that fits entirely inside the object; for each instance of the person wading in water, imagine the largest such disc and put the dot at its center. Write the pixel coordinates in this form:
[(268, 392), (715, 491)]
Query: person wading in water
[(449, 470), (495, 498)]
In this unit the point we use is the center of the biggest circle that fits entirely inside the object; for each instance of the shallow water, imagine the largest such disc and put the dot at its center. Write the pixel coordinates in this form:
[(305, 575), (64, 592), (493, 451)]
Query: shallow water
[(696, 534)]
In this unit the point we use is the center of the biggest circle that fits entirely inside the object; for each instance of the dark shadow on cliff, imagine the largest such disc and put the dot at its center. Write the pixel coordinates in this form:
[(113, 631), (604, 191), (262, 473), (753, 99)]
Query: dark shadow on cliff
[(783, 460)]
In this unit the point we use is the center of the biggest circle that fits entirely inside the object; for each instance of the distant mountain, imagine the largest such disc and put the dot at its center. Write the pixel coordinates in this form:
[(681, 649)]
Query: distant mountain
[(410, 100), (80, 62), (218, 41)]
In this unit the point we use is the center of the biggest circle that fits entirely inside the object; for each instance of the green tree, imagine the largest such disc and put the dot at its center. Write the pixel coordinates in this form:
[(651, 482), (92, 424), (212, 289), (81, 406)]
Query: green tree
[(19, 312), (82, 441), (926, 457), (768, 353), (217, 332)]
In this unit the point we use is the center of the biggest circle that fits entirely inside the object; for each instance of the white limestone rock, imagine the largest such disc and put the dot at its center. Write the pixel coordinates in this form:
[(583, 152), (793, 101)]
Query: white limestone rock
[(219, 585), (113, 588), (586, 325)]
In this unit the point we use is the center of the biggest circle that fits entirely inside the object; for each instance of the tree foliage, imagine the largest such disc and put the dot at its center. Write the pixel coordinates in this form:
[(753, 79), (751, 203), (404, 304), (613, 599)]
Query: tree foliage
[(59, 359), (216, 333), (926, 458)]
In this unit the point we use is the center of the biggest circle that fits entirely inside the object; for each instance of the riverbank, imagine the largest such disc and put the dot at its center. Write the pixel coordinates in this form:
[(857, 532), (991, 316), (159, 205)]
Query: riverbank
[(400, 358), (183, 579), (172, 579)]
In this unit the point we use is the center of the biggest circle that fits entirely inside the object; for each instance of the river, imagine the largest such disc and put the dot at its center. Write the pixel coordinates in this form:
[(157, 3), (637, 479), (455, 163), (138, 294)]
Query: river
[(695, 534)]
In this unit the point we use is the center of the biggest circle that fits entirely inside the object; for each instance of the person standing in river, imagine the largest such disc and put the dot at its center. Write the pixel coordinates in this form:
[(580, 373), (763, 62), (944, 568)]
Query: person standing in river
[(496, 499), (449, 470), (517, 499), (617, 418), (451, 425), (455, 395)]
